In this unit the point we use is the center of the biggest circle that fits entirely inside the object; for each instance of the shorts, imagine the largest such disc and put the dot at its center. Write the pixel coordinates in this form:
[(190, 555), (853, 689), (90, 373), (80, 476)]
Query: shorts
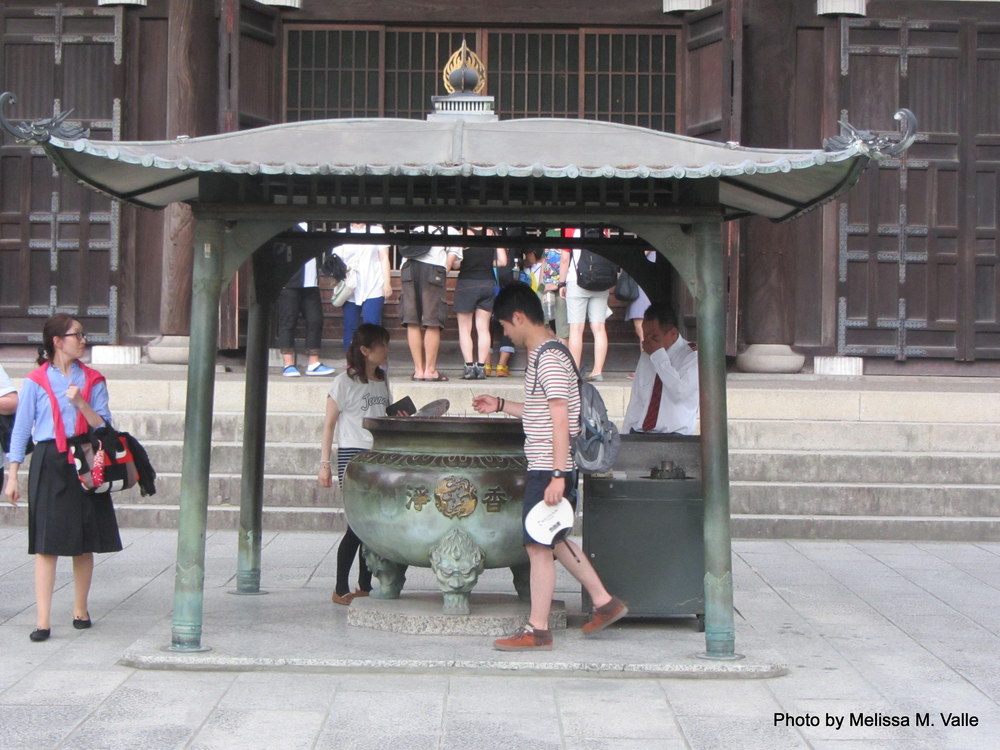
[(585, 305), (423, 302), (474, 294), (534, 491)]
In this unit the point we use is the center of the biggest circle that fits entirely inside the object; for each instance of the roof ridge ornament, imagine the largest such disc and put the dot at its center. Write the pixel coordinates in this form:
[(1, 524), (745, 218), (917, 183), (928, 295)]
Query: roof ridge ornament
[(464, 72), (875, 146), (40, 131)]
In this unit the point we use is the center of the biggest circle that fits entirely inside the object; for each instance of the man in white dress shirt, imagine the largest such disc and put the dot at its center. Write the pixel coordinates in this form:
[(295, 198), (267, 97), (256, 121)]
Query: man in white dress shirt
[(665, 390)]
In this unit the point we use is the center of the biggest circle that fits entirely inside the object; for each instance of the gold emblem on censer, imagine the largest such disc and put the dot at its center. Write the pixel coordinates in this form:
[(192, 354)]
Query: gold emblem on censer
[(455, 497)]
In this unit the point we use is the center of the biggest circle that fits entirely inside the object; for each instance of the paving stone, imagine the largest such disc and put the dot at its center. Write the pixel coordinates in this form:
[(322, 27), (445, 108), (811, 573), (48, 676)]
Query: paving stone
[(259, 729)]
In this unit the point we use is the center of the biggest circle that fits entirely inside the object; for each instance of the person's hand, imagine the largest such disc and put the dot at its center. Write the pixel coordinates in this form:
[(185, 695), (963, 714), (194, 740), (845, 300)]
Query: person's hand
[(325, 476), (649, 345), (74, 396), (11, 490), (485, 404), (562, 292), (387, 291), (555, 491)]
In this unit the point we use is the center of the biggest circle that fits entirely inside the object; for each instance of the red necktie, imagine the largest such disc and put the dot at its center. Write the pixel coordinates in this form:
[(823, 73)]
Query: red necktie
[(649, 423)]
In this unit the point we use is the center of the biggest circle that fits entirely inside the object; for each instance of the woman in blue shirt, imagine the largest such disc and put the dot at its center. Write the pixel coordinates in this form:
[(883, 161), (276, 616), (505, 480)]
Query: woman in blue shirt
[(63, 520)]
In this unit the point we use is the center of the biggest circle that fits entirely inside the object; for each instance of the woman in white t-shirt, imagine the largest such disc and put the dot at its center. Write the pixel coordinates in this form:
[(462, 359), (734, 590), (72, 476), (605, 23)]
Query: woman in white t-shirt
[(360, 391)]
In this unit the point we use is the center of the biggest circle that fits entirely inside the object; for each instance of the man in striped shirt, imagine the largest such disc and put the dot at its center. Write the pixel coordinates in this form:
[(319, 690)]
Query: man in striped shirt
[(550, 415)]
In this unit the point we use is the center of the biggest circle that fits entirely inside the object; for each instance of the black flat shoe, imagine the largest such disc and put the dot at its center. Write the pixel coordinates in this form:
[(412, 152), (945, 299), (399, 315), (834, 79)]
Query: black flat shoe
[(39, 634), (81, 624)]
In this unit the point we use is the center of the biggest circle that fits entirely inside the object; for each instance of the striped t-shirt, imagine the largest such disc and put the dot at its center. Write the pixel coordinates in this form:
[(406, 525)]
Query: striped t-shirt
[(554, 377)]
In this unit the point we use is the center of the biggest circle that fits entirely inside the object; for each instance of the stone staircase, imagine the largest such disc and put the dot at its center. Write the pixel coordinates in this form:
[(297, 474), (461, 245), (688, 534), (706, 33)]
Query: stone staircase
[(810, 457)]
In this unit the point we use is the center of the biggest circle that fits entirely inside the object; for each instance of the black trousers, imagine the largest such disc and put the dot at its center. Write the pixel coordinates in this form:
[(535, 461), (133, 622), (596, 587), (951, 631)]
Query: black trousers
[(291, 304)]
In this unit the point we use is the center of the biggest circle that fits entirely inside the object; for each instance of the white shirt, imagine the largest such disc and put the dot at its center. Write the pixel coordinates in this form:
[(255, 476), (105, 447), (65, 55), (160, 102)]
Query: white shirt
[(357, 400), (678, 370), (437, 255), (367, 264), (309, 276)]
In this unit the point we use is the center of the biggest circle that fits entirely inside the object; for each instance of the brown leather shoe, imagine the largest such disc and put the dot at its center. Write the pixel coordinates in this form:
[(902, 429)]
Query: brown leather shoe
[(526, 639), (338, 599), (606, 614), (359, 593)]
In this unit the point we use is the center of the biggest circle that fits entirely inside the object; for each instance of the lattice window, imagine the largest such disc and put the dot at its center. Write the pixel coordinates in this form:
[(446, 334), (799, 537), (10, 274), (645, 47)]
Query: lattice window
[(627, 76)]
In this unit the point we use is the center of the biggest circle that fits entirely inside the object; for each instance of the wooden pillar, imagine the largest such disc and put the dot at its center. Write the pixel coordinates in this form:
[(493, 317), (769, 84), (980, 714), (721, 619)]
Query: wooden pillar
[(189, 581), (191, 99)]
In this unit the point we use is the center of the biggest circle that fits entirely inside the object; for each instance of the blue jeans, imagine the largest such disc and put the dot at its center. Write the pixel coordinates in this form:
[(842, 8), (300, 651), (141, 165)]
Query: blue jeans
[(369, 311)]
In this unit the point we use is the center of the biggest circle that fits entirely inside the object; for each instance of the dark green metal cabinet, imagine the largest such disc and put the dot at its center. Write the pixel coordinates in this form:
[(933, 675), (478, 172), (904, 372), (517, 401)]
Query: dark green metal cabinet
[(645, 537)]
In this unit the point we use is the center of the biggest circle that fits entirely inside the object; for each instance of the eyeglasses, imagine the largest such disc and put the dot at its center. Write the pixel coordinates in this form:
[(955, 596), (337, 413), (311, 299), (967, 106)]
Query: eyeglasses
[(80, 335)]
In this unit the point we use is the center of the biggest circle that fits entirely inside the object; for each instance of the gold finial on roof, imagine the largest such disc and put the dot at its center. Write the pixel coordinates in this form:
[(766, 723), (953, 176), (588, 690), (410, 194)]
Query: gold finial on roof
[(464, 72)]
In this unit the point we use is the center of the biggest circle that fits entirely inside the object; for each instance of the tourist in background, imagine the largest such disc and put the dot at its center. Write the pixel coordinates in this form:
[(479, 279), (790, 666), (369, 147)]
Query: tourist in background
[(475, 289), (374, 283)]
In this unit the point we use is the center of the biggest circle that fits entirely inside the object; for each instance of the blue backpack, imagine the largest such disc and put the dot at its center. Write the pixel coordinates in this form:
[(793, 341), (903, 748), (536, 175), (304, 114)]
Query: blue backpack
[(596, 446)]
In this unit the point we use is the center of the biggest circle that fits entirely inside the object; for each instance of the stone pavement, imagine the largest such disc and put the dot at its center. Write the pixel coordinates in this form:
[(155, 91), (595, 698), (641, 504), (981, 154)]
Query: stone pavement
[(877, 632)]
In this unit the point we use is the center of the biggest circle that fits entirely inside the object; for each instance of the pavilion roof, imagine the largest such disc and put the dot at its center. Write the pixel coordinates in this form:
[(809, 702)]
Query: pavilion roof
[(778, 184)]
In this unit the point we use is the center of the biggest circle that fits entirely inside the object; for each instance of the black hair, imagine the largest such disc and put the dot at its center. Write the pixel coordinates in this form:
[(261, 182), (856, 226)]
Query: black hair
[(366, 335), (518, 297), (663, 314), (55, 326)]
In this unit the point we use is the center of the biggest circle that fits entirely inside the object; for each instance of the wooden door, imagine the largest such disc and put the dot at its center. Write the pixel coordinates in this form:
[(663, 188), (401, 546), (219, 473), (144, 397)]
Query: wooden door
[(59, 243), (712, 90), (918, 235)]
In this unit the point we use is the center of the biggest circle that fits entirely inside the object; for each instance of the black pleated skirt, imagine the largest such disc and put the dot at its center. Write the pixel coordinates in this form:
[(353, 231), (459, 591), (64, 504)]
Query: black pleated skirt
[(62, 518)]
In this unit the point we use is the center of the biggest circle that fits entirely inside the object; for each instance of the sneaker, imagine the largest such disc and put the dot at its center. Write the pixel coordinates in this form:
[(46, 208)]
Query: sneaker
[(489, 370), (503, 371), (469, 373), (526, 639), (480, 372), (291, 372), (606, 614), (598, 378), (318, 368)]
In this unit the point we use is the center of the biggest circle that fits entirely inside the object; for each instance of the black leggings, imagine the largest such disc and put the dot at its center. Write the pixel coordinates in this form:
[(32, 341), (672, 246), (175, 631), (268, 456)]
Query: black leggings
[(350, 545)]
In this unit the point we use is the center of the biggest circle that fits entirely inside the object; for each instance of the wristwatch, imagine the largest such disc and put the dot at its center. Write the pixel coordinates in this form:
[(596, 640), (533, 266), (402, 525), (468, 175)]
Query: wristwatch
[(558, 474)]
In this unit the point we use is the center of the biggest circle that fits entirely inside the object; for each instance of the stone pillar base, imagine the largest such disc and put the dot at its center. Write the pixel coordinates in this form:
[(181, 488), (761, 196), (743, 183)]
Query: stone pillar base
[(770, 358), (169, 350), (838, 366), (115, 355)]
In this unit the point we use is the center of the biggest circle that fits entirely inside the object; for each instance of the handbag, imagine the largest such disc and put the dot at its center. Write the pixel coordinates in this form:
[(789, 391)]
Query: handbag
[(103, 461), (345, 289), (626, 288)]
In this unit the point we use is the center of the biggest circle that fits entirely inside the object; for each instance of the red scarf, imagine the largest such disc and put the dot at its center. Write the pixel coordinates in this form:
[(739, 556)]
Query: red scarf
[(91, 378)]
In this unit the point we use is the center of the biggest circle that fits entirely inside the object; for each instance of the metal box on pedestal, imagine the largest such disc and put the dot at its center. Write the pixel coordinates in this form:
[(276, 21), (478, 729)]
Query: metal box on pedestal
[(645, 536)]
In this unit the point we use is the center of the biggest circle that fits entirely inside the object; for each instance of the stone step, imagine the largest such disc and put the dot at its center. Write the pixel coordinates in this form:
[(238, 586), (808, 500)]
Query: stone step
[(300, 459), (902, 528), (224, 490), (816, 435), (870, 500), (875, 467), (296, 459)]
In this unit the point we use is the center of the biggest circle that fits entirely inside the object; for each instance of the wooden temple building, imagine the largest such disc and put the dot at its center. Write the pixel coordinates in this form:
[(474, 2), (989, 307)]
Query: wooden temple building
[(900, 275)]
